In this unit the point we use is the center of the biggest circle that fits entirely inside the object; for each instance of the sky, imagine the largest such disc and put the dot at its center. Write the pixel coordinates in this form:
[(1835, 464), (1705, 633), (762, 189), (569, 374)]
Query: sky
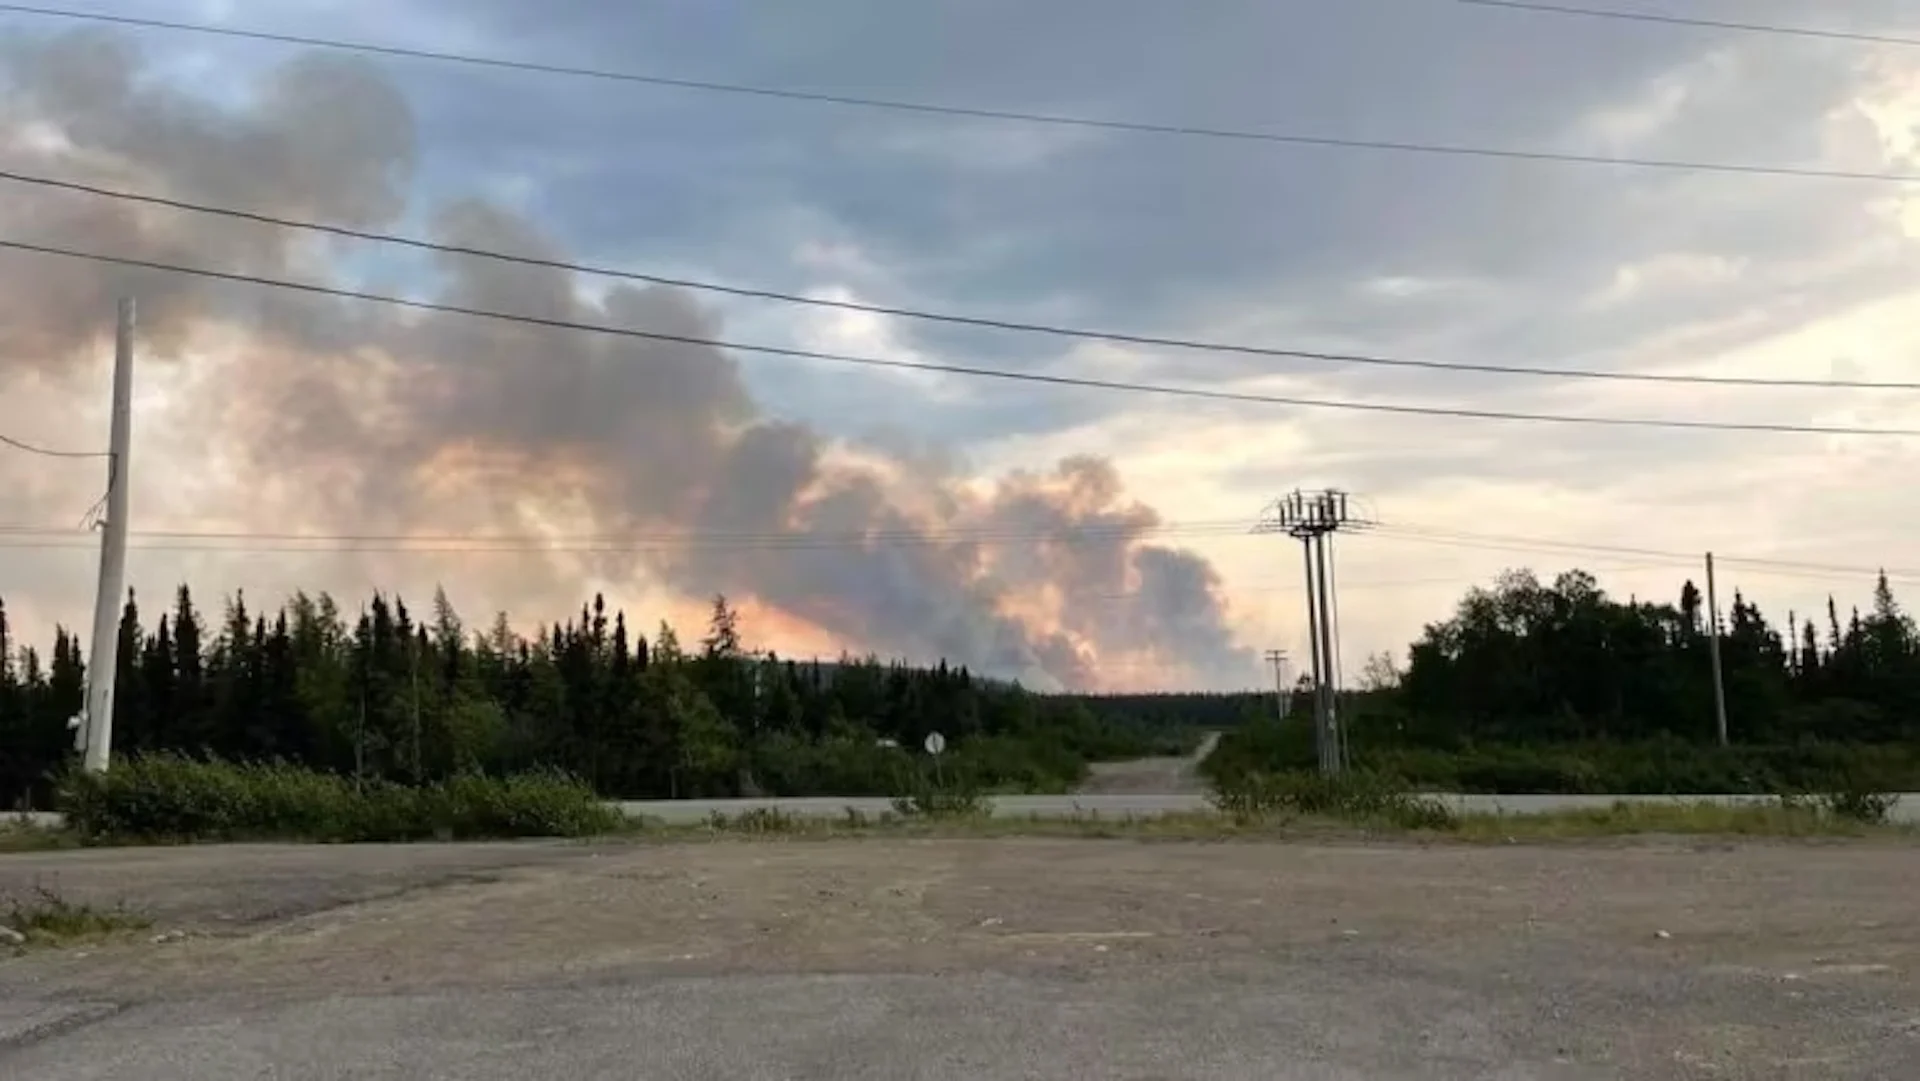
[(706, 471)]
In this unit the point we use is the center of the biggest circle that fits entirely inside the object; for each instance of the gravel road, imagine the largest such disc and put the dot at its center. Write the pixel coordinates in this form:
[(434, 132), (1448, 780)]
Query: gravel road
[(1152, 776), (980, 959)]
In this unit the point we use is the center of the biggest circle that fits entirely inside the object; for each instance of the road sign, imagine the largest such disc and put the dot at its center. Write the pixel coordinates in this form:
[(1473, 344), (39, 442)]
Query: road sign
[(936, 743)]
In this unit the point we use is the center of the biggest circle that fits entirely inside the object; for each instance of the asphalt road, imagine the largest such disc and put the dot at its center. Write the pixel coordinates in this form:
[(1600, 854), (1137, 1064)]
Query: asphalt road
[(983, 960)]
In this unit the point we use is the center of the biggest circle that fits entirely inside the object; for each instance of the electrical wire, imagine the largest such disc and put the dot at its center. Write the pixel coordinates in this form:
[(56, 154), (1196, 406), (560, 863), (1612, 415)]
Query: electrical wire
[(1049, 329), (55, 538), (1545, 546), (1692, 21), (31, 448), (969, 112), (1223, 526), (1080, 382)]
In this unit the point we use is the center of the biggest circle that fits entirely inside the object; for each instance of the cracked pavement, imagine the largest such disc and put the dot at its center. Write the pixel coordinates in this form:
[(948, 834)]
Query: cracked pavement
[(996, 959)]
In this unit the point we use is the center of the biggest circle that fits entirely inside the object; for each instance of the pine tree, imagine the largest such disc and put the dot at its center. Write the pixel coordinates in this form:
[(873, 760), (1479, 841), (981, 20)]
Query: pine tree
[(189, 677), (132, 715), (723, 631)]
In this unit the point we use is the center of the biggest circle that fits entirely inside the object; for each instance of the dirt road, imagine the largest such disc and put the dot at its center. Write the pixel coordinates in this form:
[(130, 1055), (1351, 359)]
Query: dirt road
[(983, 959), (1152, 776)]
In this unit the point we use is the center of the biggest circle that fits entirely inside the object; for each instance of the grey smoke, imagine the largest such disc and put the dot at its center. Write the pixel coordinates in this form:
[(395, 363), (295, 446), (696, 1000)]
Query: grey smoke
[(390, 422)]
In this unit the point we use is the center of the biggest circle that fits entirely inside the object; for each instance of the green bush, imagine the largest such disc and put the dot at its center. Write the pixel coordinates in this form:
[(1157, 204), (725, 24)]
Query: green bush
[(1666, 766), (1859, 805), (755, 820), (1359, 797), (1265, 746), (175, 798), (943, 796)]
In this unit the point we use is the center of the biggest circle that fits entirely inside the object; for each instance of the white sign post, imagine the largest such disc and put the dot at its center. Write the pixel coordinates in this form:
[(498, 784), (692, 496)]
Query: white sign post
[(935, 744)]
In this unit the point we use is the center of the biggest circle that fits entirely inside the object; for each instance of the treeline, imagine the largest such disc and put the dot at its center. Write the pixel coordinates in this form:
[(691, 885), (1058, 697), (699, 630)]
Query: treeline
[(1177, 715), (1531, 662), (1557, 687), (388, 695)]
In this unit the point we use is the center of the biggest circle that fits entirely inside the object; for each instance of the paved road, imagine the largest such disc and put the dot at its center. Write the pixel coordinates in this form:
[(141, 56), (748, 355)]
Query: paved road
[(988, 961)]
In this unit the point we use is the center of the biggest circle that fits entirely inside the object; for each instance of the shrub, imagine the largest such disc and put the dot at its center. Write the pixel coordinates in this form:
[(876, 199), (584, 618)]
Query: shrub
[(176, 798), (925, 797), (755, 820), (47, 915), (1361, 797), (1859, 804)]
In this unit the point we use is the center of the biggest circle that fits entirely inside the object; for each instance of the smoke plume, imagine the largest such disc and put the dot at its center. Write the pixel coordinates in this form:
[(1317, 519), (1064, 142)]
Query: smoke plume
[(356, 419)]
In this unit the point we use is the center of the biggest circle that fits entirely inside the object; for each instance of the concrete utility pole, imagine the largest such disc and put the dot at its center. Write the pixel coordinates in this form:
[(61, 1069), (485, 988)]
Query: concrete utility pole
[(1313, 518), (1713, 651), (95, 734), (1281, 699)]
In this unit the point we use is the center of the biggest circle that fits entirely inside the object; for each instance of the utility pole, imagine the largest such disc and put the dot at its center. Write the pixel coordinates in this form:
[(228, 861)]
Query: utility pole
[(1713, 651), (1312, 518), (1282, 705), (95, 734)]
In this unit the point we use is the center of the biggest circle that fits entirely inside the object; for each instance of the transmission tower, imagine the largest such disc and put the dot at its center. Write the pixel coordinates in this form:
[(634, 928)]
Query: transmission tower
[(1312, 518)]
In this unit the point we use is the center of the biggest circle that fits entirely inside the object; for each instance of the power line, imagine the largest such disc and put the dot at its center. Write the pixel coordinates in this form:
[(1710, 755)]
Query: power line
[(1545, 546), (1692, 21), (1054, 330), (967, 370), (970, 112), (56, 538), (1227, 526), (31, 448)]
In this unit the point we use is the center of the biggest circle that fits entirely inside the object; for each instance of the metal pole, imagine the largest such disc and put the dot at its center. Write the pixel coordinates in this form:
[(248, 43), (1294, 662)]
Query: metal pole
[(1313, 641), (1332, 722), (104, 661), (1713, 651)]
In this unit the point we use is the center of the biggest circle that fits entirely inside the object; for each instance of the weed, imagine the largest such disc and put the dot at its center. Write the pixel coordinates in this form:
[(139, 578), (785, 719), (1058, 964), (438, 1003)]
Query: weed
[(1787, 818), (763, 820), (1359, 798), (45, 916), (929, 798), (1861, 805), (166, 797), (939, 803)]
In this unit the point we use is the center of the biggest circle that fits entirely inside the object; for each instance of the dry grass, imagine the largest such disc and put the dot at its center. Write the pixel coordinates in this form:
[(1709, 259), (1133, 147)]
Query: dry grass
[(19, 836), (45, 918), (1705, 818), (1619, 820)]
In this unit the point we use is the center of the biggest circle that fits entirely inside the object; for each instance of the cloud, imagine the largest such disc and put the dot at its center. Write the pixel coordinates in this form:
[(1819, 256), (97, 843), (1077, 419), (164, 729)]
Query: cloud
[(1432, 257), (365, 422)]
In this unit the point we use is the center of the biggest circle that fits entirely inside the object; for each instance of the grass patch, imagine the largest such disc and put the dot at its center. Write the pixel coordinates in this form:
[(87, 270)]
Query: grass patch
[(1363, 799), (1786, 818), (19, 836), (928, 802), (44, 917), (168, 798), (1773, 820)]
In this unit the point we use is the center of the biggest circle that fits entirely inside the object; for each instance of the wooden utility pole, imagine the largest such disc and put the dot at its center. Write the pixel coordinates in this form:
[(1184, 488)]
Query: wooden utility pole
[(1713, 651)]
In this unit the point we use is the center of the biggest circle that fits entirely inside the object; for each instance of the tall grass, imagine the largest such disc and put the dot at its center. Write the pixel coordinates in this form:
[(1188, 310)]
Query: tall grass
[(1360, 798), (166, 797)]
